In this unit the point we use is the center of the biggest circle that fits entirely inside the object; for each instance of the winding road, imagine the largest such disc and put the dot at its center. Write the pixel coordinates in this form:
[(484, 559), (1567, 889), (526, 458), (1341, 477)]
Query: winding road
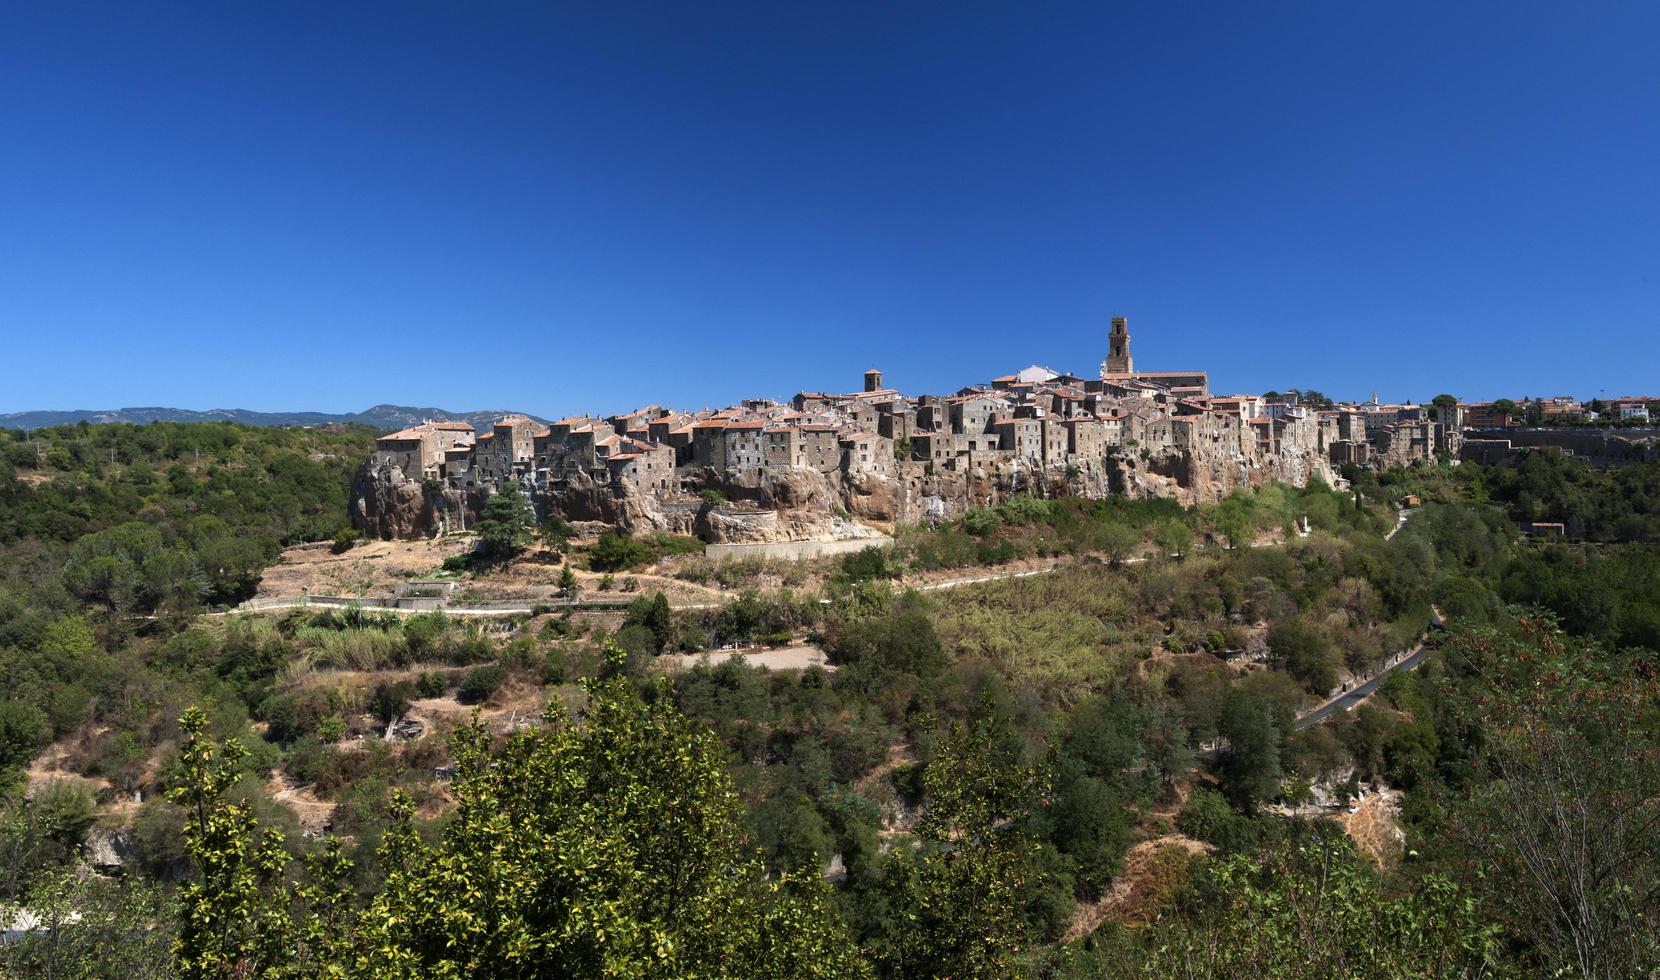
[(1360, 692)]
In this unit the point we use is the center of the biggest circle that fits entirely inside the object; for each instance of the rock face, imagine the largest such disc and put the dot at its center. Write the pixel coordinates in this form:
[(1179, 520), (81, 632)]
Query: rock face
[(387, 504), (796, 504), (109, 849)]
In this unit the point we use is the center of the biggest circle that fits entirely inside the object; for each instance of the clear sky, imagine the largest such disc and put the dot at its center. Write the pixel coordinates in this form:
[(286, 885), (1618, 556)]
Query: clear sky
[(559, 208)]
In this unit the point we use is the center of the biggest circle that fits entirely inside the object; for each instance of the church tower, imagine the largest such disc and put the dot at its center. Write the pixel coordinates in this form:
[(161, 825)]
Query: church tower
[(1118, 349)]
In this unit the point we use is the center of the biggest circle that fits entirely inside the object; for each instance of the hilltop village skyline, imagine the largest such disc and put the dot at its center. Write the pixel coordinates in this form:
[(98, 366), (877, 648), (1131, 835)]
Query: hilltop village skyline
[(877, 454), (822, 462)]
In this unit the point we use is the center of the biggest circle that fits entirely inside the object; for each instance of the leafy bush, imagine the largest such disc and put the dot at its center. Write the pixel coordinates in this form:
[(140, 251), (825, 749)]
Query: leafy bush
[(1208, 817), (390, 700), (980, 521), (431, 684), (331, 729), (614, 552), (866, 564), (481, 682)]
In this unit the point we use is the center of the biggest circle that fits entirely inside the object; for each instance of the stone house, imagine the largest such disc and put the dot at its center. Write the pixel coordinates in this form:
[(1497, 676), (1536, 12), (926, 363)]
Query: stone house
[(1022, 437), (938, 448), (782, 447), (745, 446), (821, 447), (1086, 438), (866, 452), (709, 444), (1056, 439), (644, 466), (973, 414)]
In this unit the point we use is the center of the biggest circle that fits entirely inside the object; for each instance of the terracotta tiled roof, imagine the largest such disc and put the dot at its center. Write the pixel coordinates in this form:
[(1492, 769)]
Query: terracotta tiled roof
[(454, 426)]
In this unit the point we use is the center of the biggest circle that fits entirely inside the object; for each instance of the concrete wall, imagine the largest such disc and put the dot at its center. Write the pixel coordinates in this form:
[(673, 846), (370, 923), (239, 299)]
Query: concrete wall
[(794, 549)]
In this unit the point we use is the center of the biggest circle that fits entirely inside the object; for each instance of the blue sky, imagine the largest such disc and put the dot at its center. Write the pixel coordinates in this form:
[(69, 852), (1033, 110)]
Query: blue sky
[(561, 208)]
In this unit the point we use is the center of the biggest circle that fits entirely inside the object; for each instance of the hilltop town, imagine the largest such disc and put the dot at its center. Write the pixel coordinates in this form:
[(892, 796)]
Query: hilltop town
[(831, 465)]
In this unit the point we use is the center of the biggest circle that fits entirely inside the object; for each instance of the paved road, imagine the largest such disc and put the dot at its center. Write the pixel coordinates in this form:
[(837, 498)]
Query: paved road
[(1348, 699)]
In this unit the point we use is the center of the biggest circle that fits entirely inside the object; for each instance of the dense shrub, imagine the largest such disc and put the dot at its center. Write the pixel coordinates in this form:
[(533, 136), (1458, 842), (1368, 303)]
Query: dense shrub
[(481, 682)]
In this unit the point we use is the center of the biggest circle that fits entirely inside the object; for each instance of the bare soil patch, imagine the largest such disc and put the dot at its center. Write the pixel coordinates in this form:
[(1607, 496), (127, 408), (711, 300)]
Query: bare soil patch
[(1374, 829), (314, 814), (369, 569), (798, 657), (1152, 869)]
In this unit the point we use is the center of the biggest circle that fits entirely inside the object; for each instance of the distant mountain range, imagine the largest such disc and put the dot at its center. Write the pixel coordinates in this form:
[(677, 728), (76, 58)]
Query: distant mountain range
[(380, 417)]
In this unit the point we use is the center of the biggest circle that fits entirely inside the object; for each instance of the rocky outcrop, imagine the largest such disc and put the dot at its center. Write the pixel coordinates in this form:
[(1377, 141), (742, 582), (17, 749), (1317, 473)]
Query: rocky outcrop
[(387, 504), (108, 848), (798, 504)]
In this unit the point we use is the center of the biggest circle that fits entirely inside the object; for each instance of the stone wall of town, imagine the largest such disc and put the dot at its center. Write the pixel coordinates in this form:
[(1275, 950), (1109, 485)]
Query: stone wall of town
[(765, 471)]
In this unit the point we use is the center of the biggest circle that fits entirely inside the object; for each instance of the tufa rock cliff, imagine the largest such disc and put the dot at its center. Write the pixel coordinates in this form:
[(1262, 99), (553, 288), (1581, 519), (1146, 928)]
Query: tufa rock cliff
[(797, 504)]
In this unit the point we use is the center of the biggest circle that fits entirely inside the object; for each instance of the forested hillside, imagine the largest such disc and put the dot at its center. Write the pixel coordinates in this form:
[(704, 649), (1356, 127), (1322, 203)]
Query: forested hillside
[(1096, 769)]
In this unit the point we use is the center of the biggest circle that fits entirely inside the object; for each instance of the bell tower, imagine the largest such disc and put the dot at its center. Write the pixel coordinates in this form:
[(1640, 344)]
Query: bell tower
[(1118, 349)]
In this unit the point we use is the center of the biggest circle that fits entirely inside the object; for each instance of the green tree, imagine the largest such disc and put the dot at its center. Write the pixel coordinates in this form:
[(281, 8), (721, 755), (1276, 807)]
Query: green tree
[(956, 901), (555, 532), (390, 700), (481, 682), (1118, 541), (92, 926), (1173, 538), (877, 650), (1312, 910), (240, 916), (505, 525), (652, 613), (23, 730), (1304, 654), (615, 551), (1250, 767), (1568, 831), (602, 846)]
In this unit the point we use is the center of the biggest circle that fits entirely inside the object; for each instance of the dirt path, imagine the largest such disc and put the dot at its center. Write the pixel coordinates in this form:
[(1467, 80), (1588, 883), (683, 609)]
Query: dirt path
[(314, 814), (784, 658)]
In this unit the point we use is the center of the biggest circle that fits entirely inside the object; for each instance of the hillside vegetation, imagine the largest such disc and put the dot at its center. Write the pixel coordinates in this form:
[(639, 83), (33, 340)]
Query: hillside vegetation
[(1092, 771)]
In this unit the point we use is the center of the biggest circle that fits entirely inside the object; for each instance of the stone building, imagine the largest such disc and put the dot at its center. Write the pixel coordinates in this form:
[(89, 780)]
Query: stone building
[(1031, 431)]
